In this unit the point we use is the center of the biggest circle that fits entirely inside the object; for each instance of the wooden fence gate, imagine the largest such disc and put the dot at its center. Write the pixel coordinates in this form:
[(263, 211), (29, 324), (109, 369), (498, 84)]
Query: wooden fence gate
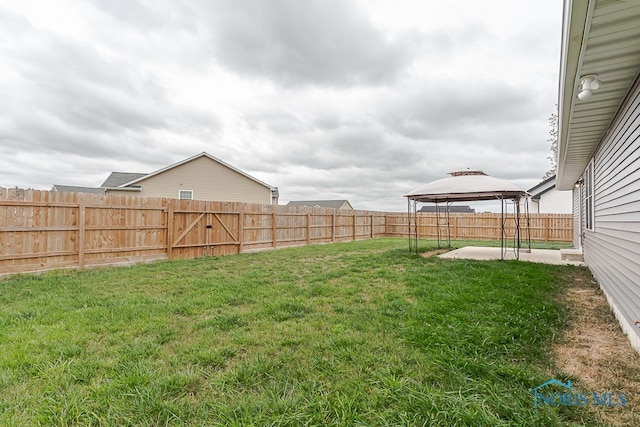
[(203, 233)]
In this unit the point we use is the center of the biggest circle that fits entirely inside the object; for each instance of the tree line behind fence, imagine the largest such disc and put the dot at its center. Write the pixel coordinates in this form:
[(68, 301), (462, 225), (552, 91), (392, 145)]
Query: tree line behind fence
[(42, 230)]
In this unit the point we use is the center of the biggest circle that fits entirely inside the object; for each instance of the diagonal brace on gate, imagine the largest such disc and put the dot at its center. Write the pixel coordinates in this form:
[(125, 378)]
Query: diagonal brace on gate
[(194, 222), (188, 229), (235, 239)]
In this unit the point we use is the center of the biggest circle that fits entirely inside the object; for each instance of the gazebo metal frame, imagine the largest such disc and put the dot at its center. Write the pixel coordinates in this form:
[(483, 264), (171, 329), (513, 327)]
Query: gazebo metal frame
[(503, 191)]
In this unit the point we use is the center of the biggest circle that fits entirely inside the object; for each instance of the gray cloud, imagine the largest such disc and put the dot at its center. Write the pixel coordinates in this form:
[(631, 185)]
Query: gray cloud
[(68, 97), (431, 111), (323, 42)]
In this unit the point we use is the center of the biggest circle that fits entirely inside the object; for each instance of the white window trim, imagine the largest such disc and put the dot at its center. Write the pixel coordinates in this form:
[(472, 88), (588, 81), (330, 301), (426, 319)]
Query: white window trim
[(590, 196), (182, 198)]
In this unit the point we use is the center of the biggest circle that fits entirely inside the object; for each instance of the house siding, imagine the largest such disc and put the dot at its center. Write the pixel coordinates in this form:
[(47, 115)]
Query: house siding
[(208, 179), (554, 201), (545, 198), (612, 248)]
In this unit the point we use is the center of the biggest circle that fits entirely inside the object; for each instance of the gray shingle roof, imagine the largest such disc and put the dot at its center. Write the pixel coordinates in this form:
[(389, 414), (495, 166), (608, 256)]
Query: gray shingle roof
[(116, 179), (543, 187), (335, 204), (76, 189)]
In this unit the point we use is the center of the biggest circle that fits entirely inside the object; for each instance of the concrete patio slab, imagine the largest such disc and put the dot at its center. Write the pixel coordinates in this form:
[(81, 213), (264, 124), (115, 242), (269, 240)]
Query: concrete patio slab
[(545, 256)]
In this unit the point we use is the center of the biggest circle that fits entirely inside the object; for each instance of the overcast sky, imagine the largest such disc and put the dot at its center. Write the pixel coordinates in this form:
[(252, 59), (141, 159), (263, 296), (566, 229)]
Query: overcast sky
[(325, 99)]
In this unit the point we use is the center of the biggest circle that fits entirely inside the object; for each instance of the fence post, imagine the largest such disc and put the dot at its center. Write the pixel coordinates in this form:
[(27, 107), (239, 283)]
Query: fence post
[(81, 222), (308, 228), (170, 215), (546, 228), (273, 229), (371, 225), (386, 220), (355, 218), (333, 227), (241, 230)]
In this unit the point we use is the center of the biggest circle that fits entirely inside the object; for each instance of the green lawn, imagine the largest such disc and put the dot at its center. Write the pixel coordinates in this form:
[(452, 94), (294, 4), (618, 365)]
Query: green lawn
[(360, 333)]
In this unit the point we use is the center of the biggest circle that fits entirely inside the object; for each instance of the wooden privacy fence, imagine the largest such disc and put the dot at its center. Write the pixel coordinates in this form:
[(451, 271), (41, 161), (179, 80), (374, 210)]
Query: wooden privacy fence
[(41, 230), (484, 226)]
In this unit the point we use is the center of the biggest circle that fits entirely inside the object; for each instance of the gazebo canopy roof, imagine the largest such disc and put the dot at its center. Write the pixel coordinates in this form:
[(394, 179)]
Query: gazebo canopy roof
[(465, 186)]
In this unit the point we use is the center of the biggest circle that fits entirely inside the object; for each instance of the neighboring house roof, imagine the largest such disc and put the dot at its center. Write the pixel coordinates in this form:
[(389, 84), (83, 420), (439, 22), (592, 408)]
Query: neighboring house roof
[(452, 209), (76, 189), (599, 37), (119, 177), (538, 190), (335, 204), (116, 179)]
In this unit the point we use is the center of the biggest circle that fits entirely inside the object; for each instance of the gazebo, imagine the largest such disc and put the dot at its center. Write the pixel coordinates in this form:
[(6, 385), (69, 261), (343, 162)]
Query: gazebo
[(469, 186)]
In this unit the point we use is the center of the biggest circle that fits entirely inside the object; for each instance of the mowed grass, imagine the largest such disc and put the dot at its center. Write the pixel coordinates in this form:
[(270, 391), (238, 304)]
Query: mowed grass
[(360, 333)]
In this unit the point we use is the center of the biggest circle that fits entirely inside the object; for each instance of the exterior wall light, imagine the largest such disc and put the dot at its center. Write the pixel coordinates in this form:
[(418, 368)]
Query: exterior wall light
[(587, 85)]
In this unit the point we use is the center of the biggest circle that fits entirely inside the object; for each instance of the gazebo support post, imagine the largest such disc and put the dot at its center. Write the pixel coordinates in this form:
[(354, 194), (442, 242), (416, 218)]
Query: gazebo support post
[(503, 248), (409, 222), (438, 223), (518, 220), (415, 222), (516, 237), (448, 226), (412, 224), (528, 222)]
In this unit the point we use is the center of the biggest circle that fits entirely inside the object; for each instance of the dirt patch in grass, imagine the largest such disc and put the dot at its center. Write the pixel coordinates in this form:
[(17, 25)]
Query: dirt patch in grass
[(597, 352), (434, 252)]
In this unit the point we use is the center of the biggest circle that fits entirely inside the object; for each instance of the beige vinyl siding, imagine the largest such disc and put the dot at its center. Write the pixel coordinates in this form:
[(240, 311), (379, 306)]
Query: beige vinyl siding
[(209, 180), (612, 249)]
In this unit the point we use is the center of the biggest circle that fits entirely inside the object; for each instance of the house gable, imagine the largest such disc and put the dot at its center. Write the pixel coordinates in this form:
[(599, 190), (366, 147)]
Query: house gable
[(207, 177), (542, 187)]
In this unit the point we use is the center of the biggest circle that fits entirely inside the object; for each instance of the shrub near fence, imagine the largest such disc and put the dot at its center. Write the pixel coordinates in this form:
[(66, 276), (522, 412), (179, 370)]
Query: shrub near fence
[(42, 230)]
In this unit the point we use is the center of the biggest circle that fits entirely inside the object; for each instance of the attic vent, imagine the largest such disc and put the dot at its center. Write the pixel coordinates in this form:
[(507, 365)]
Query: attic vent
[(467, 172)]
